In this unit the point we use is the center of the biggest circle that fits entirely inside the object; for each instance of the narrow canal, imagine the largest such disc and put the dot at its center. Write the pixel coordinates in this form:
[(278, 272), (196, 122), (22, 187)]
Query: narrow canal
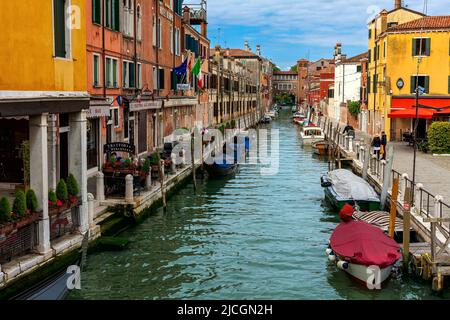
[(251, 236)]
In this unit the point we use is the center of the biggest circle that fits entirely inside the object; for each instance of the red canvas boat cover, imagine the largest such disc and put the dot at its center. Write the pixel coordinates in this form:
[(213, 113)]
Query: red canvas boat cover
[(361, 243)]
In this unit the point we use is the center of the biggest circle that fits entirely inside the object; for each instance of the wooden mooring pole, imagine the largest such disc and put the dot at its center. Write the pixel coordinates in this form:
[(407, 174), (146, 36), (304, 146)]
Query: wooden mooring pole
[(393, 211), (194, 181), (161, 178), (406, 227)]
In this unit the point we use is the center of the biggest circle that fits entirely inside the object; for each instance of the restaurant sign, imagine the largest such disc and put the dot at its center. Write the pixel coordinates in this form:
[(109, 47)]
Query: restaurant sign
[(145, 105)]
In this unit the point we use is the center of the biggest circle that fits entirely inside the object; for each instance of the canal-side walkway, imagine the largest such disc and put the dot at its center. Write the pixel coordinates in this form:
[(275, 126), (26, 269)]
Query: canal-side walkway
[(433, 172)]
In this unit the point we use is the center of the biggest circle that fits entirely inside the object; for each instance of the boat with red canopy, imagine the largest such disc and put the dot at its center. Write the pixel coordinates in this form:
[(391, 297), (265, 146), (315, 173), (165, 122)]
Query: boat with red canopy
[(363, 251)]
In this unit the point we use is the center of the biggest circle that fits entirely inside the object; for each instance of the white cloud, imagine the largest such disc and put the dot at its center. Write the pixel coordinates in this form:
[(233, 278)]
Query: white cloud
[(308, 22)]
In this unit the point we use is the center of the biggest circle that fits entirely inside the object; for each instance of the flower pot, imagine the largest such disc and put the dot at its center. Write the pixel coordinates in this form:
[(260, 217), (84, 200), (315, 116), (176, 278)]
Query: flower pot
[(6, 228)]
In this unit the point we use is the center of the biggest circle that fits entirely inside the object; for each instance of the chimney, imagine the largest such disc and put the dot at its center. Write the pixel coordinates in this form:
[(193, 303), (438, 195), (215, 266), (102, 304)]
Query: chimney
[(398, 4), (383, 16), (258, 50), (338, 51), (186, 15), (246, 46)]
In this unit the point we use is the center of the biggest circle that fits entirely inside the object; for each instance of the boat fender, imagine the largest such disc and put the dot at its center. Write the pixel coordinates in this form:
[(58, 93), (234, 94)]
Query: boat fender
[(343, 265), (324, 182), (328, 251), (331, 257)]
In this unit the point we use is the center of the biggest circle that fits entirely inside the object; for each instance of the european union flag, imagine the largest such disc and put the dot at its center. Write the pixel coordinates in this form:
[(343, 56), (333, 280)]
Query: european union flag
[(181, 69)]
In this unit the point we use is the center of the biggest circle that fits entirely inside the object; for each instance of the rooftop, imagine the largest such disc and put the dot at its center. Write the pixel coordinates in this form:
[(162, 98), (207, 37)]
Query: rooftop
[(428, 23)]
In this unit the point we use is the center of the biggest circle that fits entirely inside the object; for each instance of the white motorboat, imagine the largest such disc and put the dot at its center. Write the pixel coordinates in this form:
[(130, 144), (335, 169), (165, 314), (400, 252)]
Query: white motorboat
[(310, 135)]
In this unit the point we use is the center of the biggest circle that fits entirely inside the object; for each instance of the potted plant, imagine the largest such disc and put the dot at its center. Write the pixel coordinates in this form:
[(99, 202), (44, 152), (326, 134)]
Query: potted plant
[(61, 192), (6, 226), (73, 189), (19, 205), (155, 161), (31, 201)]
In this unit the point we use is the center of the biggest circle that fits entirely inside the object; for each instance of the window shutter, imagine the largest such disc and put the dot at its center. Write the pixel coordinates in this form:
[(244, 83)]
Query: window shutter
[(95, 71), (108, 13), (413, 84), (375, 80), (161, 78), (132, 73), (108, 72), (59, 28), (114, 62), (368, 84), (427, 84), (124, 74), (96, 11), (117, 15), (427, 47), (414, 47)]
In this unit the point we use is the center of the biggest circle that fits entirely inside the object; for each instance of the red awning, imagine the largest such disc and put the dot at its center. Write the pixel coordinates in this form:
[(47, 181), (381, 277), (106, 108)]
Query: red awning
[(406, 107), (411, 113)]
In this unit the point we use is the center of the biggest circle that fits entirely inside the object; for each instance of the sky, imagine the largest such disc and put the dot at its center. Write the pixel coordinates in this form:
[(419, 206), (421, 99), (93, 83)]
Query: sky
[(288, 30)]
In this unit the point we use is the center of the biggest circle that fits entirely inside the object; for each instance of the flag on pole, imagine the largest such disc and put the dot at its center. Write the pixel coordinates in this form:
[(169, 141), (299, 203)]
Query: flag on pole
[(200, 78), (180, 70), (197, 67)]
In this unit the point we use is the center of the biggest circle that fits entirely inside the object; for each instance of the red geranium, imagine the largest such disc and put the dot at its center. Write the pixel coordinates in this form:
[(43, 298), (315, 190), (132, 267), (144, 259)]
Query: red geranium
[(73, 200), (59, 203), (50, 203)]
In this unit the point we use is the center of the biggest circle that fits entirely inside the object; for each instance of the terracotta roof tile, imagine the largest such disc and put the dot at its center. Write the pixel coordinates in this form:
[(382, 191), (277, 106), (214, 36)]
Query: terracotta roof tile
[(238, 53), (429, 23)]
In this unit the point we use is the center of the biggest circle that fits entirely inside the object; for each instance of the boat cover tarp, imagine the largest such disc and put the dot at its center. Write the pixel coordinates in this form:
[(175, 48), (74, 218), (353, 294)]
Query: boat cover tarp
[(347, 185), (361, 243)]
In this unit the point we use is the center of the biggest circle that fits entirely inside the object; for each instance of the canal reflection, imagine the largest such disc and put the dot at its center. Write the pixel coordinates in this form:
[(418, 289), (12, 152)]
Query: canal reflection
[(251, 236)]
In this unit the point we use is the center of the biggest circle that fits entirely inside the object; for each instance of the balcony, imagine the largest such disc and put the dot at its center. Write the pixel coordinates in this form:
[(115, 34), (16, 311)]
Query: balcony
[(197, 12)]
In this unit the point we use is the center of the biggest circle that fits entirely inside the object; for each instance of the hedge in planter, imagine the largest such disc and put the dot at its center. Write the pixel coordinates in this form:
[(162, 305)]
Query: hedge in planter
[(5, 210), (52, 199), (72, 186), (20, 204), (32, 203), (439, 137), (61, 191)]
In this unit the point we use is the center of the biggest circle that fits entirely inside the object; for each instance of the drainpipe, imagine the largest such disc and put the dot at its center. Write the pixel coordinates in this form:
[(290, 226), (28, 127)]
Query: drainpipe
[(375, 80), (135, 48), (103, 50)]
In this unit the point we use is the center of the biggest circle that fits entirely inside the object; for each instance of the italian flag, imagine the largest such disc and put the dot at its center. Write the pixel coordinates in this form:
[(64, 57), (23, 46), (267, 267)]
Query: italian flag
[(197, 71)]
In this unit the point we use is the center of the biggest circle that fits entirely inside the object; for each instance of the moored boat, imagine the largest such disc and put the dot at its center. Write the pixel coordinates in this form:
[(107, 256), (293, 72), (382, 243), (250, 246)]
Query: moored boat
[(310, 135), (364, 252), (320, 147), (218, 170), (343, 186)]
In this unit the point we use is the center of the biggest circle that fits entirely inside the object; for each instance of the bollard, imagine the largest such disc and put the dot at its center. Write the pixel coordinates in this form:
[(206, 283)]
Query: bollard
[(90, 198), (173, 166), (129, 197), (148, 181), (100, 179), (417, 202), (382, 169), (373, 165), (404, 186), (437, 206)]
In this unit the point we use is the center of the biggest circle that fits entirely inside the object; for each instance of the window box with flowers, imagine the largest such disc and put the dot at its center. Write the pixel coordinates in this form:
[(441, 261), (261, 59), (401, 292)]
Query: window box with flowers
[(65, 197), (23, 213), (116, 169)]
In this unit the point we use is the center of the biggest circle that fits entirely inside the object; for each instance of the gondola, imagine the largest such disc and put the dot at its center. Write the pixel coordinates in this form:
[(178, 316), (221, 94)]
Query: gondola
[(55, 286)]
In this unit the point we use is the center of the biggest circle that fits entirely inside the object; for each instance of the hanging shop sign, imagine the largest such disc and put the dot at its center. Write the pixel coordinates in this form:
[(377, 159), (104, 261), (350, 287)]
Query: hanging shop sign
[(145, 105), (183, 86)]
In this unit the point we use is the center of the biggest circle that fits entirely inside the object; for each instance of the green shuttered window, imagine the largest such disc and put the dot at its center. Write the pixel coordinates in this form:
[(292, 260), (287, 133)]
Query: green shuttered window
[(59, 28), (97, 11)]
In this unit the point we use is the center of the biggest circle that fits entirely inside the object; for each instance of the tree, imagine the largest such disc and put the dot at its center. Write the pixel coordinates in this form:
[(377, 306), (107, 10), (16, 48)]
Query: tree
[(294, 68), (276, 69)]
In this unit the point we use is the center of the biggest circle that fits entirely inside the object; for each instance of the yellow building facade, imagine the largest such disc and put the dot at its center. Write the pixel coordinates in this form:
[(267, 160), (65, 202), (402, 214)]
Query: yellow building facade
[(29, 60), (380, 62), (407, 47)]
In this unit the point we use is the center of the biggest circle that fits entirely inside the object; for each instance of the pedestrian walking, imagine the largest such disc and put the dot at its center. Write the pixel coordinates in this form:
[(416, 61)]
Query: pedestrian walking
[(383, 145), (376, 146)]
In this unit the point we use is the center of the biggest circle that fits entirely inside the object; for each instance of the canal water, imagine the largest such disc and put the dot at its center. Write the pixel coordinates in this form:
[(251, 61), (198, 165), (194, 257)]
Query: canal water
[(250, 236)]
